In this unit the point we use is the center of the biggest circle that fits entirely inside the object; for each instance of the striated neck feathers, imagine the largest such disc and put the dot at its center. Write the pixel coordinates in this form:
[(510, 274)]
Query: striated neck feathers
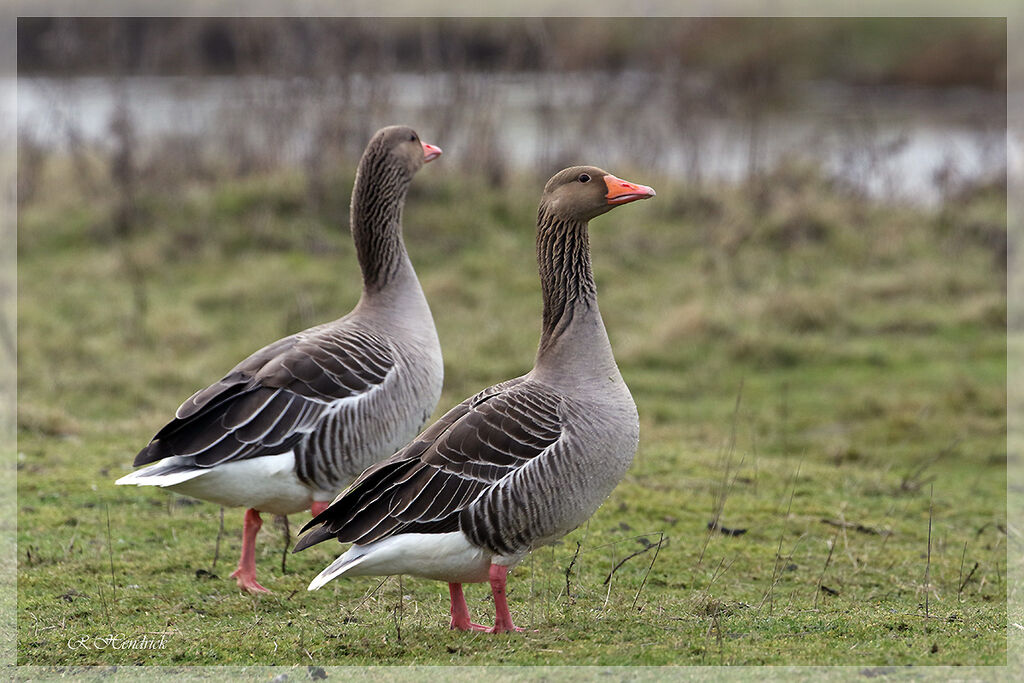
[(376, 218), (566, 278)]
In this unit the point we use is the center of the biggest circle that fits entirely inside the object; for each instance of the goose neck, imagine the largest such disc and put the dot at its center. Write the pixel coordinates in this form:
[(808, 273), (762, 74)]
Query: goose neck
[(567, 280), (376, 220)]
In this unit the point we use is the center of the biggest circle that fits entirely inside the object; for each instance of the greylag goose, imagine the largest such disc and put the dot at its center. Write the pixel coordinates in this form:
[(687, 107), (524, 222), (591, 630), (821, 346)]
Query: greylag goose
[(296, 421), (521, 463)]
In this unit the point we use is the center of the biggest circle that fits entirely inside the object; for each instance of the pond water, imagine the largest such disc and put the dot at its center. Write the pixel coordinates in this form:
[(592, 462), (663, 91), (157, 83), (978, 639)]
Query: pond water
[(888, 143)]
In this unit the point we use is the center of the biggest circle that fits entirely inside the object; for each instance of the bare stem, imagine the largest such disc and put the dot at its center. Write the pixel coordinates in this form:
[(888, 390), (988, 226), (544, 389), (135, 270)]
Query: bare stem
[(287, 542), (831, 548), (643, 583), (216, 546), (928, 563), (568, 571)]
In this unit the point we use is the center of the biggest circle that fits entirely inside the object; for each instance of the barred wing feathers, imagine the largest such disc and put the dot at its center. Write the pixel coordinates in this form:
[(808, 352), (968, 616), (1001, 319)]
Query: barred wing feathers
[(425, 487), (274, 398)]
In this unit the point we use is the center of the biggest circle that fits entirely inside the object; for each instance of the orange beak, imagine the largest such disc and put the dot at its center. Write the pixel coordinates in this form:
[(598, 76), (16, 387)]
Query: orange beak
[(430, 152), (622, 191)]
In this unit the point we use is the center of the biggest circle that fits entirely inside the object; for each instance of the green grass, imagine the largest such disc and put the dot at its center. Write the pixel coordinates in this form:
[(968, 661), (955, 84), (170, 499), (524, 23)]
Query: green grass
[(826, 373)]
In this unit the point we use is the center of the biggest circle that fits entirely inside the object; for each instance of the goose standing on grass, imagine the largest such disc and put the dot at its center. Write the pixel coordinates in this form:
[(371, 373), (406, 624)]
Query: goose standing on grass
[(295, 422), (518, 465)]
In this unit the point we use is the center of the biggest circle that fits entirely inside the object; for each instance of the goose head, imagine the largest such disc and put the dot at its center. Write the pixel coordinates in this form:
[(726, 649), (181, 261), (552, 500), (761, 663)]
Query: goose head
[(400, 148), (580, 193)]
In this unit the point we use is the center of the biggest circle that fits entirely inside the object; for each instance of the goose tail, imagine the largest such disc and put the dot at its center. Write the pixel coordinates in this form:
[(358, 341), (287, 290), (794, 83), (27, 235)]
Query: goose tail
[(164, 473)]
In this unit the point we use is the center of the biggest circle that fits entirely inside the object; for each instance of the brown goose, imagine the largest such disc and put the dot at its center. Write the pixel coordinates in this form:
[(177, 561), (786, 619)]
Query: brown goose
[(521, 463), (296, 421)]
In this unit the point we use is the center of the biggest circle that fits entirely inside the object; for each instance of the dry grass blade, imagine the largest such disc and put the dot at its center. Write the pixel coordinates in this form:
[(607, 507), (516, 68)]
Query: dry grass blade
[(286, 530), (398, 613), (216, 545), (110, 555), (777, 569), (725, 485), (928, 561), (654, 559), (964, 582), (568, 573), (828, 559), (656, 546), (914, 480), (371, 593)]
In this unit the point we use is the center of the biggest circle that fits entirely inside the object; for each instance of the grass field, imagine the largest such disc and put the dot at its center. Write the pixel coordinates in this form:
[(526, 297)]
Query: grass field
[(823, 376)]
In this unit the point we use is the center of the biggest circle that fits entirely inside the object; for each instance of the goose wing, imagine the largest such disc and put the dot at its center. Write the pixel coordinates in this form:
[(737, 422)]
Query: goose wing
[(275, 397), (424, 487)]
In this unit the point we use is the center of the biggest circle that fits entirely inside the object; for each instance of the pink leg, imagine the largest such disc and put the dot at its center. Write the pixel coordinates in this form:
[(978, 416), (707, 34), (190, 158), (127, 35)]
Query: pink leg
[(318, 506), (502, 617), (246, 572), (460, 612)]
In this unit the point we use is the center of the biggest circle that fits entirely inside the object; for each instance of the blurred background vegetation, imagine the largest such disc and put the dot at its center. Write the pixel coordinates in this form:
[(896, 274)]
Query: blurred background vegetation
[(811, 316), (918, 51), (700, 98)]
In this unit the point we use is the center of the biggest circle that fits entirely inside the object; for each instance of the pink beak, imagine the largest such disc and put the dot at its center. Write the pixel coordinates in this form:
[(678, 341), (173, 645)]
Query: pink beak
[(430, 152), (622, 191)]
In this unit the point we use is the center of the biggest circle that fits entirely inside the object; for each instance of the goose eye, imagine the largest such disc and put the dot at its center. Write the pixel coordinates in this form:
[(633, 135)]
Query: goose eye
[(412, 138), (584, 178)]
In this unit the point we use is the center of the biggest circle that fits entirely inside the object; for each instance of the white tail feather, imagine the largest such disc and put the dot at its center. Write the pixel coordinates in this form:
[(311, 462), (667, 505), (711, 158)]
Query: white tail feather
[(351, 558), (149, 477)]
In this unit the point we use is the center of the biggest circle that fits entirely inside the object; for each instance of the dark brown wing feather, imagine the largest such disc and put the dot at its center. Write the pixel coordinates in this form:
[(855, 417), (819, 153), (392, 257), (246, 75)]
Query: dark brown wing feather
[(273, 398), (423, 487)]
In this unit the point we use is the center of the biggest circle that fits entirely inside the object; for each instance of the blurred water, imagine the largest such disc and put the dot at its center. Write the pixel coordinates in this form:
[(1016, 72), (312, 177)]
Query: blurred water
[(891, 144)]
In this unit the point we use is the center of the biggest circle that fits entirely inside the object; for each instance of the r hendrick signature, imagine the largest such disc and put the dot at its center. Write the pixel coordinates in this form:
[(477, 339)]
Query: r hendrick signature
[(119, 641)]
